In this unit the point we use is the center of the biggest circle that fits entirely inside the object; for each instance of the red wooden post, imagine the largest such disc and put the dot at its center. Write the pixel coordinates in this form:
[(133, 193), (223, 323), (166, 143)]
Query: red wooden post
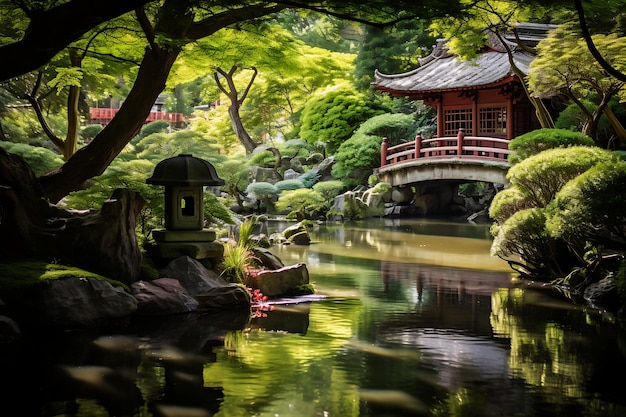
[(418, 144), (459, 142), (383, 152)]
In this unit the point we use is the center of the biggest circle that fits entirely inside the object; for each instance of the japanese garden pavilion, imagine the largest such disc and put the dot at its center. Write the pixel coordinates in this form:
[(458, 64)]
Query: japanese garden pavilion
[(484, 96)]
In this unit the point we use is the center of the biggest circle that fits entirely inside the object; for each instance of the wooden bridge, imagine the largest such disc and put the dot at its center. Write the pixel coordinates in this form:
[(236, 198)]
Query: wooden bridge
[(103, 116), (457, 158)]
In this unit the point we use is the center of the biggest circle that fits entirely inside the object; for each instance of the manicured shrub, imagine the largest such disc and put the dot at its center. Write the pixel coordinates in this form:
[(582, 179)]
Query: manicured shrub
[(591, 207), (541, 176), (539, 140)]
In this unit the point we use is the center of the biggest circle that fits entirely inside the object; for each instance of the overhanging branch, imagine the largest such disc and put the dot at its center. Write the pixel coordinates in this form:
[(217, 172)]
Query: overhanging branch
[(592, 47)]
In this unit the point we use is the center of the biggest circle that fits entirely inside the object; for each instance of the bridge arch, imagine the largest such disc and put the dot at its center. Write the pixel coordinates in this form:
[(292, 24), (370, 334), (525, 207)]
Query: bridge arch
[(450, 170), (426, 174)]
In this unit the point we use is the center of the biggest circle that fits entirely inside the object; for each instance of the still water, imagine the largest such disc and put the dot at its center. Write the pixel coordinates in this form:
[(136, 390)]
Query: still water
[(412, 318)]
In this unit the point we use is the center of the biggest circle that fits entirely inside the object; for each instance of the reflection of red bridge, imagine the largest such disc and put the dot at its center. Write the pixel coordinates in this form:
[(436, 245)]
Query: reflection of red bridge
[(102, 116)]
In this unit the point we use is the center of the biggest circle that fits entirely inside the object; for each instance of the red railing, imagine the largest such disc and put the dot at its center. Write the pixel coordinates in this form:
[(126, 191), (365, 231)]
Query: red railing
[(104, 116), (454, 147)]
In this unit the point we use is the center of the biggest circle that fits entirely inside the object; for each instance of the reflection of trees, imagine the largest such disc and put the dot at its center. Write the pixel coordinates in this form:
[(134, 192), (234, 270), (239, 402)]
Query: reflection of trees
[(304, 384), (550, 348)]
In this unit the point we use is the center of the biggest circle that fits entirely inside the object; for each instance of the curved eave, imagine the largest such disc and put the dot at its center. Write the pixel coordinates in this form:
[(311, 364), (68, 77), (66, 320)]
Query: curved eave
[(452, 74), (423, 94)]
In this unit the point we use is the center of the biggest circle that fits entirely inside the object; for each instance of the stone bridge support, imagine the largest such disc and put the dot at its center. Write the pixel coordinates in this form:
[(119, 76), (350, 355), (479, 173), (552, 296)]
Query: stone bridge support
[(431, 187), (440, 197)]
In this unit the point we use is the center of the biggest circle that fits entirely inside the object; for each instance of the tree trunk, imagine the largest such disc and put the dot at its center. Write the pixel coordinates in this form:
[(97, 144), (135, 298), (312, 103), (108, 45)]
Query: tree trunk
[(94, 158), (235, 104), (73, 97), (239, 129), (617, 126)]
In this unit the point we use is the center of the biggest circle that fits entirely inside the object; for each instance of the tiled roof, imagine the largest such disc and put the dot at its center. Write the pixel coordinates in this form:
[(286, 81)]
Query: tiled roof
[(442, 71), (449, 72)]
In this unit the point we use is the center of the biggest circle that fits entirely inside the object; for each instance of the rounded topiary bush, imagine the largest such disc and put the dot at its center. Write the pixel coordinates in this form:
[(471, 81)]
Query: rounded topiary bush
[(537, 141)]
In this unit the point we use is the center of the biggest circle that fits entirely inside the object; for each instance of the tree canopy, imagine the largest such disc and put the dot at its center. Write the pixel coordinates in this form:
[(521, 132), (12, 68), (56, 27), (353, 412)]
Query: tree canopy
[(167, 28)]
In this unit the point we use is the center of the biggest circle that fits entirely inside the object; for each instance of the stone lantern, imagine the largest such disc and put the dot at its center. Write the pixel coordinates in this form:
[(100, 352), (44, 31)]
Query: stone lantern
[(184, 177)]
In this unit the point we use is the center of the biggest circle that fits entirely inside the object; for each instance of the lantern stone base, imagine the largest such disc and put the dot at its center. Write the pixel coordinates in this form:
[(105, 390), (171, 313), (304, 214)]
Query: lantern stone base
[(168, 235), (196, 250)]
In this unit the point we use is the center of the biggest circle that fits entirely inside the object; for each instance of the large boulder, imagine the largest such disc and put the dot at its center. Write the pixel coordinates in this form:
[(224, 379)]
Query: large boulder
[(325, 169), (84, 302), (261, 174), (267, 259), (274, 283), (162, 296), (194, 277), (212, 291)]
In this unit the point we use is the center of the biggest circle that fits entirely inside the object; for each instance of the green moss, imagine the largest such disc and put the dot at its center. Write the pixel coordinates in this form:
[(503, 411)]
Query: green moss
[(25, 274), (304, 289)]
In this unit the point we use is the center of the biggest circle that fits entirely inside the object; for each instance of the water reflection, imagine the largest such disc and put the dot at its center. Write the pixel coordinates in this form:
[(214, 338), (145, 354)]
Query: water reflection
[(411, 322)]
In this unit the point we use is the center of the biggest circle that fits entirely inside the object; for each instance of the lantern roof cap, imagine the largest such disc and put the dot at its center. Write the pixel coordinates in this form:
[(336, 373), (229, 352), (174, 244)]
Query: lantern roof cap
[(184, 170)]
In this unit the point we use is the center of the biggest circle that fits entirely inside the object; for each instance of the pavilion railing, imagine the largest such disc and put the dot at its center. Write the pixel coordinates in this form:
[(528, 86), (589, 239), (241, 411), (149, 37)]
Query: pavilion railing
[(104, 116), (475, 148)]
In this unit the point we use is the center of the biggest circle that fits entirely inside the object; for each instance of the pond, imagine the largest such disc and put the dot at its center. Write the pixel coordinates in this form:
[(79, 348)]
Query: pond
[(412, 318)]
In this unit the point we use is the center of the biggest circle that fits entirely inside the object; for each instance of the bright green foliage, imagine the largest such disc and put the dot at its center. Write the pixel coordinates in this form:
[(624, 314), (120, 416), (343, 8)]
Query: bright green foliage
[(124, 174), (158, 126), (333, 115), (540, 177), (22, 276), (286, 185), (40, 160), (467, 31), (280, 93), (564, 66), (215, 211), (359, 155), (301, 201), (329, 189), (90, 131), (296, 148), (216, 126), (382, 188), (236, 261), (508, 202), (592, 207), (159, 146), (548, 217), (264, 159), (321, 31), (356, 158), (397, 127), (573, 118), (539, 140), (523, 236), (235, 174)]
